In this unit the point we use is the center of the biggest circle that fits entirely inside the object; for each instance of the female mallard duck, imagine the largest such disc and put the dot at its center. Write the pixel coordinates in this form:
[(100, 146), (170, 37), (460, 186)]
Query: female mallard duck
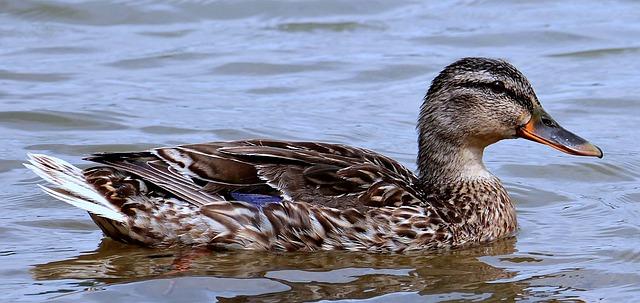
[(286, 196)]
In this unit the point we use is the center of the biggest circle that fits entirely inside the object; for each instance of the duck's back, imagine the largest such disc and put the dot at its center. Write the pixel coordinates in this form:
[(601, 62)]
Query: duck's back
[(330, 175)]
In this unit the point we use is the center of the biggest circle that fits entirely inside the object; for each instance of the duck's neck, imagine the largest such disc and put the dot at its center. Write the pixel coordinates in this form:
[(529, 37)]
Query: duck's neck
[(449, 161)]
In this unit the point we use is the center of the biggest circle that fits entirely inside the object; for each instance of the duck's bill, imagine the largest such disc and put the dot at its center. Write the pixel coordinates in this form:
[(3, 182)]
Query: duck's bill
[(543, 129)]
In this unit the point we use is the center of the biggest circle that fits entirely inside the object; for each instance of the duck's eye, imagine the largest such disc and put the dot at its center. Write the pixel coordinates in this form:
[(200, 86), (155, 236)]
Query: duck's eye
[(548, 122), (497, 87)]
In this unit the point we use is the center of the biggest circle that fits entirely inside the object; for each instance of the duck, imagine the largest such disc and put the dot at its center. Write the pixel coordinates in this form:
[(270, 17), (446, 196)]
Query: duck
[(274, 195)]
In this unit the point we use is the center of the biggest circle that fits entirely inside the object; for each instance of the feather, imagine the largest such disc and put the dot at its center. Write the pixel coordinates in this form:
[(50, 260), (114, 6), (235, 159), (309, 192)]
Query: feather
[(79, 202), (73, 189)]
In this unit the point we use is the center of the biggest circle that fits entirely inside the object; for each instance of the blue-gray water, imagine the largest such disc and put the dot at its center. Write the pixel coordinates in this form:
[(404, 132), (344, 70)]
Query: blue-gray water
[(78, 77)]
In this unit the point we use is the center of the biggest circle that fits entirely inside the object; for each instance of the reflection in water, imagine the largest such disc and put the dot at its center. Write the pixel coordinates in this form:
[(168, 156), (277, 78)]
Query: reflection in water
[(308, 276)]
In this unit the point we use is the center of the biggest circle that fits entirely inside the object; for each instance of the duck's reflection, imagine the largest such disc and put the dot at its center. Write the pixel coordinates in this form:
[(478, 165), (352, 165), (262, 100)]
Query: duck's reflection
[(309, 276)]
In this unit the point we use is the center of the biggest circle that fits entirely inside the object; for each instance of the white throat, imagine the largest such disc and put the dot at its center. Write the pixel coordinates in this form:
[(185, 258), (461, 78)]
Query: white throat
[(471, 166)]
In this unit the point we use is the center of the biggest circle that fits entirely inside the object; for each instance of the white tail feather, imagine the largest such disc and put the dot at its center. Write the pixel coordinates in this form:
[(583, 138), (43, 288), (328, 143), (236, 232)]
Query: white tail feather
[(73, 189), (93, 208)]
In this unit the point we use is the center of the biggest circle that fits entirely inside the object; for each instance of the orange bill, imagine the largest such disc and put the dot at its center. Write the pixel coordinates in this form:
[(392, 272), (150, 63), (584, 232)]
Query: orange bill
[(543, 129)]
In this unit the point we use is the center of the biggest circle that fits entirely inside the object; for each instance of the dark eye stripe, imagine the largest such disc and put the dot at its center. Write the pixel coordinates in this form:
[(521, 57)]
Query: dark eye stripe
[(519, 98)]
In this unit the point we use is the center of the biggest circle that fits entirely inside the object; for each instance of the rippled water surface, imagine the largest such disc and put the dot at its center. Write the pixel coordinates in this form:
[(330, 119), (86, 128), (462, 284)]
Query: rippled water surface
[(78, 77)]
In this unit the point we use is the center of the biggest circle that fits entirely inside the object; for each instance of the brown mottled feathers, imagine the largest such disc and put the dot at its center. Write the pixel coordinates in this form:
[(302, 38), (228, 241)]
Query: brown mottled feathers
[(334, 197), (158, 173), (300, 226), (157, 219), (331, 175)]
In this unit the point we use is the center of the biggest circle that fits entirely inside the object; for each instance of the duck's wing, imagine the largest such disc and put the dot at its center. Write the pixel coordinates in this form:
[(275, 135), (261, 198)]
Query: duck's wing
[(157, 172), (331, 175)]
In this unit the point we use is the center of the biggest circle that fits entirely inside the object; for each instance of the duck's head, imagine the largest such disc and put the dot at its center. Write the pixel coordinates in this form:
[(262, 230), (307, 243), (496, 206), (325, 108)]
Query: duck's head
[(475, 102)]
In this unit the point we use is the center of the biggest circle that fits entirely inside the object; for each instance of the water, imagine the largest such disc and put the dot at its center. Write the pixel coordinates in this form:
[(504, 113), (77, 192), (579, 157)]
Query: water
[(78, 77)]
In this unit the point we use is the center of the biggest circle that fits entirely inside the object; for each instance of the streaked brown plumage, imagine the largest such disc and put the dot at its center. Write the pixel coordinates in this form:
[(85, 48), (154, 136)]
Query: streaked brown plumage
[(328, 196)]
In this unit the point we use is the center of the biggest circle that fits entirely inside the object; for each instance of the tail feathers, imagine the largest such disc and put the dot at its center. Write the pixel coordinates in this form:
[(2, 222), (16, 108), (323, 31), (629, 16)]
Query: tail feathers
[(72, 187), (82, 203)]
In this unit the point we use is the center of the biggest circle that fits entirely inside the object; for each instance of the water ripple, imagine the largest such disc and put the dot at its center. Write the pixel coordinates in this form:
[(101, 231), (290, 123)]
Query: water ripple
[(325, 26), (159, 60), (504, 39), (54, 120), (576, 172), (266, 69), (601, 52), (33, 77)]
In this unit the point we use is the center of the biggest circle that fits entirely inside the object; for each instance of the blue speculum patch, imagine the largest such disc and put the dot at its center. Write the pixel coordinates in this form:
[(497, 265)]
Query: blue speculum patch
[(257, 199)]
